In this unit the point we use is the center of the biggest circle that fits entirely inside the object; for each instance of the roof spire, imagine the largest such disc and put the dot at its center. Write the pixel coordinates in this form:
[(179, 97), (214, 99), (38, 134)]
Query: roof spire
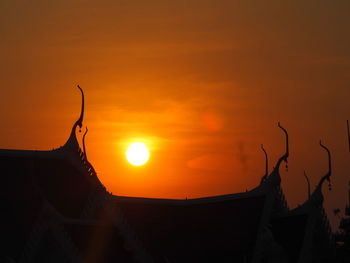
[(317, 196), (79, 122), (308, 185), (329, 173), (266, 164), (274, 175), (285, 156), (72, 140), (84, 148)]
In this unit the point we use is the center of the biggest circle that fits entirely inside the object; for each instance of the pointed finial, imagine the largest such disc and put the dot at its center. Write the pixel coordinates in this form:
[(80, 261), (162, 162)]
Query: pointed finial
[(317, 196), (285, 156), (72, 140), (79, 122), (84, 148), (266, 164), (308, 185), (329, 173), (275, 177)]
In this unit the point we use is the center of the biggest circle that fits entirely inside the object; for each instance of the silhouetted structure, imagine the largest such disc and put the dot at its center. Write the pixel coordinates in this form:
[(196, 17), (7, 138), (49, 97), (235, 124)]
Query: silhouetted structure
[(55, 209), (343, 237)]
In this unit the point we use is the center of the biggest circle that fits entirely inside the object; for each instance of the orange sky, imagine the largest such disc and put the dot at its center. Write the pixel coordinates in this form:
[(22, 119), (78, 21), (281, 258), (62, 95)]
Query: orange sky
[(205, 82)]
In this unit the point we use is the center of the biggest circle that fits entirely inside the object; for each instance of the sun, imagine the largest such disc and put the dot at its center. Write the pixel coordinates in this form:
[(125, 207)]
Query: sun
[(137, 153)]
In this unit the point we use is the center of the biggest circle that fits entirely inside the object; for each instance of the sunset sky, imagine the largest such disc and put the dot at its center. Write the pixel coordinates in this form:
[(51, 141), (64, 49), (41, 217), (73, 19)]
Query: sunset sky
[(202, 83)]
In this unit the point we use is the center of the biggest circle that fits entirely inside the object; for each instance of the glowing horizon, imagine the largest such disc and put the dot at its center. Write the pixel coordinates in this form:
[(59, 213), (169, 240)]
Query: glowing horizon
[(202, 85)]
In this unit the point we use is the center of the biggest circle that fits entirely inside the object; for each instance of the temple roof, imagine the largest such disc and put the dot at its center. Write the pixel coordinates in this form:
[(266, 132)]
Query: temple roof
[(197, 230), (20, 206), (62, 184), (289, 232), (293, 228), (99, 243), (209, 229)]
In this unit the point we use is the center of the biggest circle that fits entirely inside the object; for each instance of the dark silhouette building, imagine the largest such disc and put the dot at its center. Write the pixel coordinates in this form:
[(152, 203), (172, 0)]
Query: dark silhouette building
[(343, 236), (55, 209)]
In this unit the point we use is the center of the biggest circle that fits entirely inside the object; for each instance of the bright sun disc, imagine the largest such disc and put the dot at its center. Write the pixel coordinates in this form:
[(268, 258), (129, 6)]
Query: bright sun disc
[(137, 153)]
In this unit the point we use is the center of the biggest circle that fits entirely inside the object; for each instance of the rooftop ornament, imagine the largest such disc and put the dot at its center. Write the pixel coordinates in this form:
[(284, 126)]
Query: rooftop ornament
[(72, 142), (274, 176), (308, 185), (266, 164), (84, 148), (285, 156), (317, 195), (329, 173)]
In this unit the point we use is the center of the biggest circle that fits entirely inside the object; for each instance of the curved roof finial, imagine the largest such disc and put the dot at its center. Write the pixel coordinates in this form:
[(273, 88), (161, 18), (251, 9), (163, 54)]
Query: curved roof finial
[(308, 185), (84, 148), (329, 173), (317, 196), (79, 122), (285, 156), (266, 164), (72, 140)]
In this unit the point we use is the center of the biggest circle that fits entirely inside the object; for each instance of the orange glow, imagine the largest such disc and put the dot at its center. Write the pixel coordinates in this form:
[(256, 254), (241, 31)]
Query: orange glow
[(212, 121), (202, 85)]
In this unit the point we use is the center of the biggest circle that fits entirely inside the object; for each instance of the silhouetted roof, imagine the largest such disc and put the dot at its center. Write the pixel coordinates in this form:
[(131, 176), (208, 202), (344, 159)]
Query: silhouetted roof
[(20, 205), (49, 250), (289, 232), (99, 243), (216, 229), (62, 184)]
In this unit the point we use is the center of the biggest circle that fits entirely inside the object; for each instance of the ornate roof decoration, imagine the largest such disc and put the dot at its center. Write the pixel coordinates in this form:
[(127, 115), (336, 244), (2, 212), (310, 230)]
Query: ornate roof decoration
[(72, 143), (266, 164), (284, 157), (317, 196), (275, 176), (308, 185), (84, 148), (221, 227)]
